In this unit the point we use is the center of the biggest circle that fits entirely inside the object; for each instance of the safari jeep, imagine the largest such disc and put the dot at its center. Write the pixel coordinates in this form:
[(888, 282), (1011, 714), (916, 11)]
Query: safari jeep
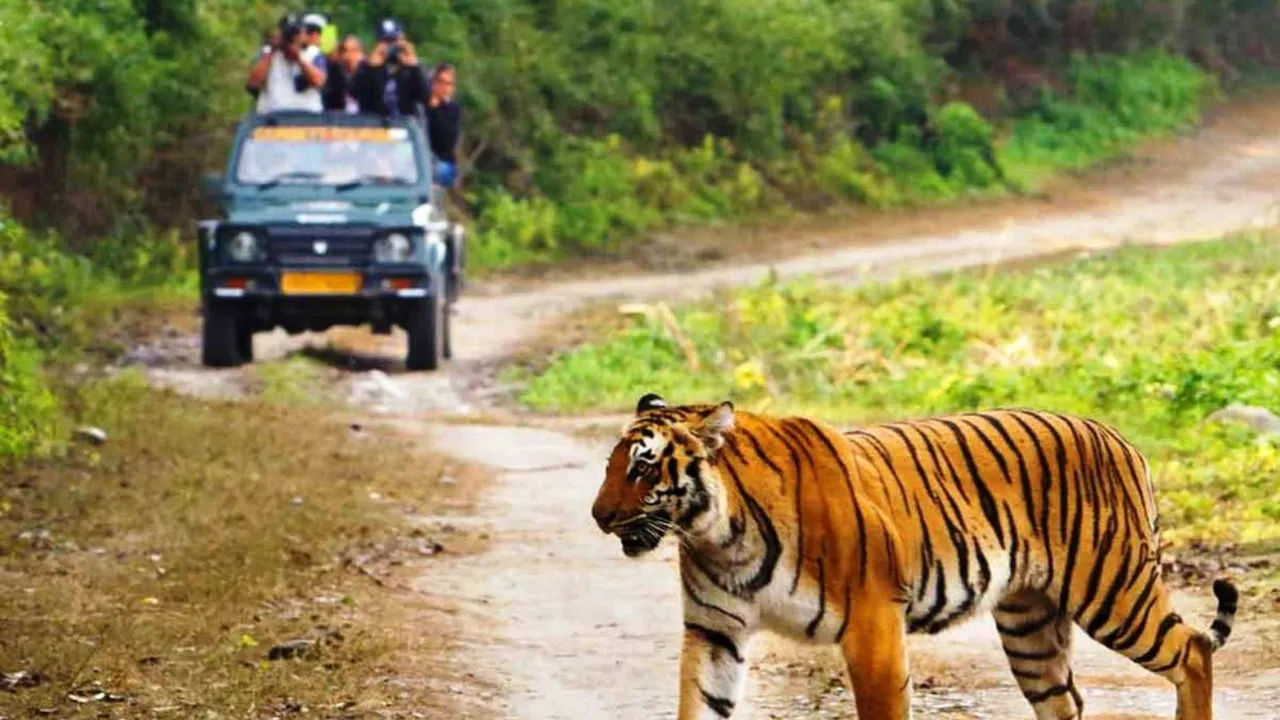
[(328, 219)]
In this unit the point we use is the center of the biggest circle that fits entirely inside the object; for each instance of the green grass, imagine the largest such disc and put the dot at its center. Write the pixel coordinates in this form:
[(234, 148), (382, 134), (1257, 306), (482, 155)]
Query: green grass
[(1152, 341), (59, 308), (292, 381), (1116, 102)]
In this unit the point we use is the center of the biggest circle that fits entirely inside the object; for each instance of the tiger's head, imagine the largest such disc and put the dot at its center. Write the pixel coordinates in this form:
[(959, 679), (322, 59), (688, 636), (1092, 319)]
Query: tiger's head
[(659, 477)]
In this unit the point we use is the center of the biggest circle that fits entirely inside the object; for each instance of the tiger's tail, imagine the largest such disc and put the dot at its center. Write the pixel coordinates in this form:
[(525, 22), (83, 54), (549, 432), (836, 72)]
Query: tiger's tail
[(1227, 596)]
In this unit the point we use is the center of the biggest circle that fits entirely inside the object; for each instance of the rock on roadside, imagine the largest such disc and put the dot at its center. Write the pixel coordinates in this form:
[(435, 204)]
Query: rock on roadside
[(1260, 420)]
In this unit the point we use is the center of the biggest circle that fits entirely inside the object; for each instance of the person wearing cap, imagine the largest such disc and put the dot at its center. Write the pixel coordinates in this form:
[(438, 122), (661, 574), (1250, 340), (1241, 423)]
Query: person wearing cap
[(285, 75), (313, 25), (390, 83)]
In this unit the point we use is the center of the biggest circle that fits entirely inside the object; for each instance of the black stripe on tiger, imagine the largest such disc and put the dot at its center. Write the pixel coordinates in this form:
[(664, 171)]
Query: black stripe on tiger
[(986, 500), (885, 457), (853, 499), (1110, 639), (1038, 697), (812, 627), (692, 594), (768, 533), (1027, 628), (1049, 654), (717, 639), (991, 448), (1099, 566), (795, 446), (1072, 551), (720, 706), (1045, 468), (1108, 603), (1167, 624)]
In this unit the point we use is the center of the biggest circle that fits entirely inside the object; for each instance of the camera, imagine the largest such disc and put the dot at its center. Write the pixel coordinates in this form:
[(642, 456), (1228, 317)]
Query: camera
[(393, 54), (290, 27)]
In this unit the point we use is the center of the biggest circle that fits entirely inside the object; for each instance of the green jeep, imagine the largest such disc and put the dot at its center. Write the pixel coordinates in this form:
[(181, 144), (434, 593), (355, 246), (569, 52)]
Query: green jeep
[(328, 219)]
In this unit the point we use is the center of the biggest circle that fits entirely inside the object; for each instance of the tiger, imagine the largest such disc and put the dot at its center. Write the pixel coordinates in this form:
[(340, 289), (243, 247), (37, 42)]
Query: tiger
[(859, 537)]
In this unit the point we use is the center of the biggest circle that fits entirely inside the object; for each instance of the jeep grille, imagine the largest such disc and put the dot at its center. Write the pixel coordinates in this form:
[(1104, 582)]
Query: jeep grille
[(321, 247)]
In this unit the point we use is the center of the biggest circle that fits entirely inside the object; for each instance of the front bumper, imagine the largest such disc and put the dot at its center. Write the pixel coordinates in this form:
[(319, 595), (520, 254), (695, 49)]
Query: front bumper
[(257, 282), (385, 297)]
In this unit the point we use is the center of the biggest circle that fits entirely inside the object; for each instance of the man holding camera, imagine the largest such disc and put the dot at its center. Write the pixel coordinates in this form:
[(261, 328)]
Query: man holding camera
[(390, 82), (288, 74)]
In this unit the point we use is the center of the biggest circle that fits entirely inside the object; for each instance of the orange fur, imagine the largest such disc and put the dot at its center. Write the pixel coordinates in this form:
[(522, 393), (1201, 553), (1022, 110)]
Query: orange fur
[(858, 538)]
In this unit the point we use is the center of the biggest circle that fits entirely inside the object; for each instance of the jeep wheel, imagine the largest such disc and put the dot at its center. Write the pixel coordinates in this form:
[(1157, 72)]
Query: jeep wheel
[(221, 337), (426, 329), (244, 343), (447, 315)]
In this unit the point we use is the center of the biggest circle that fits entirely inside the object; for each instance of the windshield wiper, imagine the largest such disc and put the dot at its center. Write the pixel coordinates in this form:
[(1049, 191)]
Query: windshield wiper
[(295, 175), (369, 179)]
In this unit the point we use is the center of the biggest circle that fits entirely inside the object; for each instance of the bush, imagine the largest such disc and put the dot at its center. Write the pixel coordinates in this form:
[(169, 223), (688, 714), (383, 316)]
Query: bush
[(29, 416), (1114, 101), (591, 122)]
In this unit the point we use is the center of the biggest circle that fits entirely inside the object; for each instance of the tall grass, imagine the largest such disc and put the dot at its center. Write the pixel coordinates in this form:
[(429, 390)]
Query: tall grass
[(1152, 341)]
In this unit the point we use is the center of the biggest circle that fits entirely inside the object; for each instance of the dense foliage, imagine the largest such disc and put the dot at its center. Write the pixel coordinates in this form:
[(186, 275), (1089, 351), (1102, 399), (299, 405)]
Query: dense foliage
[(1152, 341), (588, 121), (28, 413)]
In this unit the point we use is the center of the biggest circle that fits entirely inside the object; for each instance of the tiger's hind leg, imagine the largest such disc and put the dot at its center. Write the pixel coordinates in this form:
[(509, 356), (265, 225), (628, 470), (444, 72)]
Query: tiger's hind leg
[(1037, 640), (1141, 625)]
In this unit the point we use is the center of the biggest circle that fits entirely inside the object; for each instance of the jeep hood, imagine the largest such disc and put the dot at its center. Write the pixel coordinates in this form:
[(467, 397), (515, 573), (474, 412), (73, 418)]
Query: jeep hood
[(329, 211)]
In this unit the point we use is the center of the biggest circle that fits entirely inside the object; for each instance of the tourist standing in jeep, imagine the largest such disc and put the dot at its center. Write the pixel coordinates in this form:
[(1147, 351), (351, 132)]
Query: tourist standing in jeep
[(444, 119), (390, 83), (287, 74)]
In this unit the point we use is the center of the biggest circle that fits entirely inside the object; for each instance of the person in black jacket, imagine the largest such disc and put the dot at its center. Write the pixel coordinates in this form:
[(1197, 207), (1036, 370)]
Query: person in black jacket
[(339, 87), (444, 122), (390, 82)]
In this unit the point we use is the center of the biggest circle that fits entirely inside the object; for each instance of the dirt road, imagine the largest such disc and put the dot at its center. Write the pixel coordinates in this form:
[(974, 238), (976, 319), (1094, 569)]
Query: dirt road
[(572, 629)]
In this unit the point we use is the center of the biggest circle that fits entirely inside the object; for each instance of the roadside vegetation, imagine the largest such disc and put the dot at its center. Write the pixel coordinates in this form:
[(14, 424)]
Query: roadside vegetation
[(1152, 341), (592, 123), (165, 572)]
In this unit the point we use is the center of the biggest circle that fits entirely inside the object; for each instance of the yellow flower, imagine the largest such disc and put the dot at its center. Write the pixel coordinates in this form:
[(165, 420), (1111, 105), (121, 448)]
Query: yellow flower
[(749, 375)]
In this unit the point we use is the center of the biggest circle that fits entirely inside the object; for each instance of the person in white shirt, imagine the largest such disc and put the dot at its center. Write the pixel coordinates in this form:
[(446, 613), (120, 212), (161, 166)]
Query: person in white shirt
[(289, 74)]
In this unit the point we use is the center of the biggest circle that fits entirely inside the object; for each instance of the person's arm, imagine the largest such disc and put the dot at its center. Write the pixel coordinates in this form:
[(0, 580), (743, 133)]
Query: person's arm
[(314, 74), (258, 73)]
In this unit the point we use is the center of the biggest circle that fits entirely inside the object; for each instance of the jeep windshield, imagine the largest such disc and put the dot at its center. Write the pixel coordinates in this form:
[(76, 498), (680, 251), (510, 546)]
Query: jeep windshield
[(327, 155)]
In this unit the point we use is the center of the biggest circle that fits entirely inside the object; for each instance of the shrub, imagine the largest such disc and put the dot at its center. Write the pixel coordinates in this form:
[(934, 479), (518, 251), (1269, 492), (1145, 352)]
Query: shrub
[(29, 415)]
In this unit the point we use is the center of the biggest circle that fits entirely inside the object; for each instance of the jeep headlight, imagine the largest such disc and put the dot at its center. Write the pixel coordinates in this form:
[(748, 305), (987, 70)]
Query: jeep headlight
[(244, 247), (392, 247)]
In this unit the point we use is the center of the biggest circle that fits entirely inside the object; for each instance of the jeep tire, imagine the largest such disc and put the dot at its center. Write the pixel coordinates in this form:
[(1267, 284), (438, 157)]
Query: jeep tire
[(447, 315), (244, 342), (222, 337), (426, 327)]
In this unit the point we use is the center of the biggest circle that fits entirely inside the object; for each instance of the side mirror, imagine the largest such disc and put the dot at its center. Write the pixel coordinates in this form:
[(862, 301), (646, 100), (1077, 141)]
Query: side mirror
[(211, 183)]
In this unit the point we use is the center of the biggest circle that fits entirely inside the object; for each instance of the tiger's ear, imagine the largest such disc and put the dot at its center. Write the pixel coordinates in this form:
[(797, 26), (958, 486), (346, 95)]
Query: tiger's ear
[(650, 401), (712, 429)]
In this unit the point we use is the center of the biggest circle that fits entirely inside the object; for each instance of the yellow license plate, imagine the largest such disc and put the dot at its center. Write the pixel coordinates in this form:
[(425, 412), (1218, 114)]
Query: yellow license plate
[(315, 283)]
